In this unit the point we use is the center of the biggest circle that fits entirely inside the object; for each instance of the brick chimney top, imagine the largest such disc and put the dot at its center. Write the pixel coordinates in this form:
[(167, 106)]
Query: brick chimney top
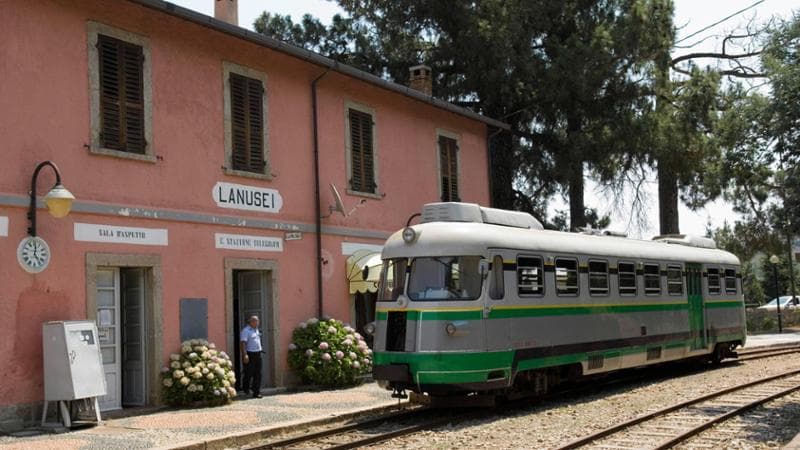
[(420, 79), (227, 11)]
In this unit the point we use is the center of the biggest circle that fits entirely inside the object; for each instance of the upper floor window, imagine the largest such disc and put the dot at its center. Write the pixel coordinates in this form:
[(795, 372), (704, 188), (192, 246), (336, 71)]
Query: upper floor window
[(674, 280), (714, 286), (361, 150), (120, 93), (627, 278), (730, 281), (598, 278), (530, 276), (652, 279), (448, 169), (566, 276), (245, 103)]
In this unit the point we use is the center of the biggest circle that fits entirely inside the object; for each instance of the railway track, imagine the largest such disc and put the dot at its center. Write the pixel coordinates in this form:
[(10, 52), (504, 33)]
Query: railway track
[(678, 423), (749, 355)]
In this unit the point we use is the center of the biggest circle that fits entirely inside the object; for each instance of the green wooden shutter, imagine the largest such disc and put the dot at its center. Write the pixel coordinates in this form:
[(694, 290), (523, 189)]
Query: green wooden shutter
[(247, 123), (362, 161), (448, 166), (121, 67)]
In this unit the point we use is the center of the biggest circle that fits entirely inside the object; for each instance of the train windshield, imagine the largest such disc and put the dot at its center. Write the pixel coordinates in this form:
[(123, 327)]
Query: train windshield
[(393, 279), (445, 278)]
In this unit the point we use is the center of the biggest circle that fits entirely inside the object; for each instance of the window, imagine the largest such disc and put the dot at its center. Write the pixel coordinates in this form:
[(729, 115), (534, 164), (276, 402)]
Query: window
[(445, 278), (530, 276), (245, 103), (361, 152), (120, 93), (674, 280), (714, 287), (393, 279), (730, 281), (448, 168), (497, 290), (627, 278), (652, 279), (566, 276), (598, 278)]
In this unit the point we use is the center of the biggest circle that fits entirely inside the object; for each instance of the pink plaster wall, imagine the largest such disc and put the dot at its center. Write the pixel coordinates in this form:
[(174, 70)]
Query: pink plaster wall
[(44, 114)]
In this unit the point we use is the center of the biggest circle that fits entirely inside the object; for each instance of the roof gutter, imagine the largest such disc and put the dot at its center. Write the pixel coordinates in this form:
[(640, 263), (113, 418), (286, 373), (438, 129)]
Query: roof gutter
[(311, 57)]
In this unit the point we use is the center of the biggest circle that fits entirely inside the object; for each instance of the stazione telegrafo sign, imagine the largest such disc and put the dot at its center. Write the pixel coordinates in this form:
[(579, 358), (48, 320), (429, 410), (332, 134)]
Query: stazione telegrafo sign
[(250, 198)]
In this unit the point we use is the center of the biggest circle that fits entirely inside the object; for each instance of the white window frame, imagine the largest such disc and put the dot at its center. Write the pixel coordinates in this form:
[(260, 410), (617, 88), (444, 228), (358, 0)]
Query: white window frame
[(457, 137), (95, 123), (577, 271), (598, 292), (228, 68), (541, 276), (719, 275), (635, 279), (735, 289), (647, 290), (348, 105), (674, 267)]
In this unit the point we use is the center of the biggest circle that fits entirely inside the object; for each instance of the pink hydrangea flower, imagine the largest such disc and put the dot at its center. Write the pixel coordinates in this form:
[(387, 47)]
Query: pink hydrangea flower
[(292, 346), (326, 356), (324, 346), (331, 329), (356, 364), (309, 353), (339, 355)]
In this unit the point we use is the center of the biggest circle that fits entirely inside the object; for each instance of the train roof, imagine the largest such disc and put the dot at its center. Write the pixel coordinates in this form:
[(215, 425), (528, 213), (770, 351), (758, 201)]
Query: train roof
[(449, 238)]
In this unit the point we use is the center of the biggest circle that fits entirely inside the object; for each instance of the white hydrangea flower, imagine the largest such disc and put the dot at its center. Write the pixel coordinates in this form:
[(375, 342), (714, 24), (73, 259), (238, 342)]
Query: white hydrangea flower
[(302, 325), (175, 365), (210, 376), (331, 329), (200, 387), (186, 349), (292, 346), (313, 321), (184, 381), (175, 357), (356, 365), (352, 355), (212, 345), (186, 364), (217, 392), (231, 391), (167, 382), (193, 355), (197, 375), (226, 383), (205, 370), (177, 374), (191, 388)]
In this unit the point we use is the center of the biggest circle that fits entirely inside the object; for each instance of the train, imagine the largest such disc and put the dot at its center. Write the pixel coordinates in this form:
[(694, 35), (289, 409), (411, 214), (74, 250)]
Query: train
[(482, 301)]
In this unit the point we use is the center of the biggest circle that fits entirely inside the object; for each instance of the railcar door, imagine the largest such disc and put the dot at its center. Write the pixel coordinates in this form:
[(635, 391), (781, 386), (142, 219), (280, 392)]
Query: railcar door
[(497, 326), (694, 290)]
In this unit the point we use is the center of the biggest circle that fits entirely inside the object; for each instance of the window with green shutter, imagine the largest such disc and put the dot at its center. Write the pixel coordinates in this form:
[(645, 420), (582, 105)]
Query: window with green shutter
[(247, 124), (121, 76), (448, 168), (362, 155)]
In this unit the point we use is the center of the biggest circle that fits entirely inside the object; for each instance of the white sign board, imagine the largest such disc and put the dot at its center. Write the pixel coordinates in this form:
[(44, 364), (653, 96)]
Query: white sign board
[(293, 236), (245, 242), (90, 232), (3, 226), (239, 196)]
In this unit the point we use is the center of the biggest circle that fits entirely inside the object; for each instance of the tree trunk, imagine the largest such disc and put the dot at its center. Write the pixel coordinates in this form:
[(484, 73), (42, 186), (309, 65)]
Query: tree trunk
[(577, 208), (667, 200), (501, 150)]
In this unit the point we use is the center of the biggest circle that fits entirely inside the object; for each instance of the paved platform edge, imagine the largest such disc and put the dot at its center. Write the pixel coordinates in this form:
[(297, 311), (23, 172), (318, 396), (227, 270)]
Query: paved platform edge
[(794, 444), (244, 438)]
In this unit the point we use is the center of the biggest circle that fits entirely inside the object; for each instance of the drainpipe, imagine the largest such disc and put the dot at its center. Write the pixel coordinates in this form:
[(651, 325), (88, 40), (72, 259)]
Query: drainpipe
[(489, 137), (317, 200)]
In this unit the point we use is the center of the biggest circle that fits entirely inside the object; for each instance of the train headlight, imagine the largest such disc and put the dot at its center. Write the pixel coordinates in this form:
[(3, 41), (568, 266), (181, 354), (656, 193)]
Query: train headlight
[(370, 328), (409, 235), (450, 329)]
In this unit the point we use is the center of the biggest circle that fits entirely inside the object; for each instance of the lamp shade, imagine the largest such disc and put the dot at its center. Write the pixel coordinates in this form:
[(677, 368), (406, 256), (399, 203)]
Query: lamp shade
[(59, 201), (774, 259)]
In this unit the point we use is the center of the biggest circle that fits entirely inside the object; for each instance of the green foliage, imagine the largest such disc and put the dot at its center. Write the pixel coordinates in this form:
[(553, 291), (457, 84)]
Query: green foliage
[(328, 353), (199, 373)]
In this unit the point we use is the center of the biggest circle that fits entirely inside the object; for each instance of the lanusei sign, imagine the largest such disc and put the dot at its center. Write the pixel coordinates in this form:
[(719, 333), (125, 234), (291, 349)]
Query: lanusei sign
[(238, 196)]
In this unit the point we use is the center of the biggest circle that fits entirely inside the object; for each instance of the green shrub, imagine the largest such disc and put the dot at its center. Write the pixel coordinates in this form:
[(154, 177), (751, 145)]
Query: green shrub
[(328, 353), (199, 373)]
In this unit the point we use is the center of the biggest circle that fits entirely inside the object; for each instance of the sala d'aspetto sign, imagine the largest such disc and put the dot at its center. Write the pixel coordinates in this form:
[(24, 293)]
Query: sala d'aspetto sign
[(239, 196)]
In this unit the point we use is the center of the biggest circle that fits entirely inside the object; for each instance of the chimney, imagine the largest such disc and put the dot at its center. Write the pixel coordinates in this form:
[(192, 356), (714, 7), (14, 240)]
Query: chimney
[(227, 11), (420, 79)]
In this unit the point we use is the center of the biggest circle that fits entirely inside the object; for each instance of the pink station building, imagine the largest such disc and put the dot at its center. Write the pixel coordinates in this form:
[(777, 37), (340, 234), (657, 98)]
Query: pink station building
[(202, 158)]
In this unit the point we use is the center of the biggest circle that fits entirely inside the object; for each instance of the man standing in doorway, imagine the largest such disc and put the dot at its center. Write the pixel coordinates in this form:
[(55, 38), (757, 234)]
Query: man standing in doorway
[(250, 343)]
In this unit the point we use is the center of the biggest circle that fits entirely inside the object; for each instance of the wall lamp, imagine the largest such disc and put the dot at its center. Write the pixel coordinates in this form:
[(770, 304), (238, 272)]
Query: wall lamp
[(58, 200)]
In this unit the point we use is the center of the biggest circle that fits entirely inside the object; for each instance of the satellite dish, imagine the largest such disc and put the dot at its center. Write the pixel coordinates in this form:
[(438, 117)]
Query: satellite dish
[(338, 205)]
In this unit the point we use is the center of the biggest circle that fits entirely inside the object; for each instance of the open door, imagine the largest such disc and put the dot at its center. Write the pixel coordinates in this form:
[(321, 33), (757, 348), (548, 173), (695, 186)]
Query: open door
[(253, 297), (133, 331), (694, 289)]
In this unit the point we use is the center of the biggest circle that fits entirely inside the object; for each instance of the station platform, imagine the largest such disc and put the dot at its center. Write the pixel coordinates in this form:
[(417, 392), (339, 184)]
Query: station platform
[(245, 420)]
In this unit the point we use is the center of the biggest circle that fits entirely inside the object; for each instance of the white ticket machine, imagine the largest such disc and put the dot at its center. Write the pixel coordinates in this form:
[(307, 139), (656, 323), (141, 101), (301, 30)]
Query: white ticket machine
[(73, 367)]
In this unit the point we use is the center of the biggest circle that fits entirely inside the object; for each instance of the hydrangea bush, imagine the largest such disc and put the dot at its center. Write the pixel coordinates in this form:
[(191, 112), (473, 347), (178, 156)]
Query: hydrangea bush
[(199, 373), (328, 353)]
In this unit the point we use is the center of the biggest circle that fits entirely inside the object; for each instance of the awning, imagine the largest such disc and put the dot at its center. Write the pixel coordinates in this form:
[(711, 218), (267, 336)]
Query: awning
[(356, 263)]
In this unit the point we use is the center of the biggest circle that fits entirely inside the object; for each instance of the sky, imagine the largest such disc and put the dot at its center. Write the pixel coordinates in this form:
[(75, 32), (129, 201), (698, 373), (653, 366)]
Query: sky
[(690, 16)]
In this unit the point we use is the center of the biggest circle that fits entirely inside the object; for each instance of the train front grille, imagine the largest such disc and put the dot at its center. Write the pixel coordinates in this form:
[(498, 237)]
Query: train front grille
[(396, 331)]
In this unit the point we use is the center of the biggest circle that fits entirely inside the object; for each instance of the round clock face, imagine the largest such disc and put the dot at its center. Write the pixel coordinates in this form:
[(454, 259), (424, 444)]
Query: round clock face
[(33, 254)]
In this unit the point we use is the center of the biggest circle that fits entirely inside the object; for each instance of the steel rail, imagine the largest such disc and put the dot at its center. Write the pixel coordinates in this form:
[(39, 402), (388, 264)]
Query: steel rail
[(649, 416)]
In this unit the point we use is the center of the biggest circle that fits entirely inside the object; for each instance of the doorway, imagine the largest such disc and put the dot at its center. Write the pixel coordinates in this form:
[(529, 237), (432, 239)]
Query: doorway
[(694, 290), (253, 296), (364, 305), (122, 327)]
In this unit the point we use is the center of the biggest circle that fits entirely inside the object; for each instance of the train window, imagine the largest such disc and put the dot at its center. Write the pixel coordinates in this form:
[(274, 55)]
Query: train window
[(652, 279), (566, 276), (530, 276), (497, 289), (445, 278), (627, 278), (730, 281), (598, 278), (714, 287), (393, 279), (674, 280)]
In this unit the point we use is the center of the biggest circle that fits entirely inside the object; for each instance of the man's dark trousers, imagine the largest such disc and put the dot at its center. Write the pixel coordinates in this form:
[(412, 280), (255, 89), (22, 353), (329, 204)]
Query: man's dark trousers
[(252, 373)]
